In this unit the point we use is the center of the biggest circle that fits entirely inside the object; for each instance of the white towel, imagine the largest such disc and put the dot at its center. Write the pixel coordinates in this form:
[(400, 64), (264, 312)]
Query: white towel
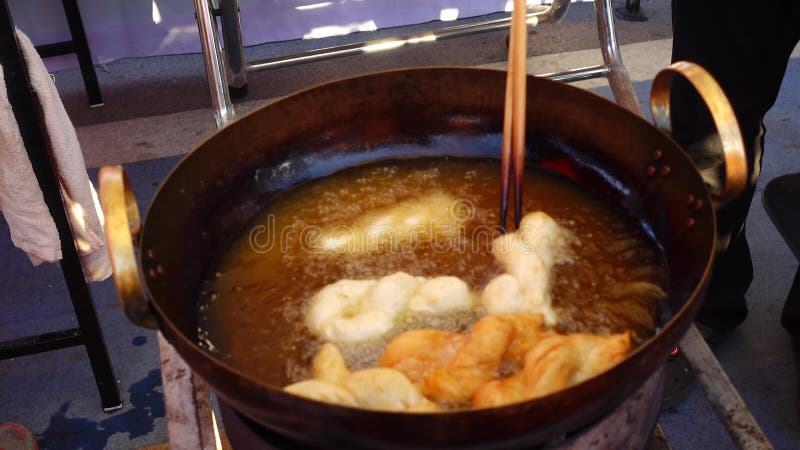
[(32, 227)]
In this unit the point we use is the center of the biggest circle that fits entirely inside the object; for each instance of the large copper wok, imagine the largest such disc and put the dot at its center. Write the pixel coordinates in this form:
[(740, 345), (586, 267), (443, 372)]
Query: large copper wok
[(211, 194)]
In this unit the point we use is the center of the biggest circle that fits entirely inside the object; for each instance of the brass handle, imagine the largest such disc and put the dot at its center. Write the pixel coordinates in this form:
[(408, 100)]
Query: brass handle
[(121, 225), (721, 113)]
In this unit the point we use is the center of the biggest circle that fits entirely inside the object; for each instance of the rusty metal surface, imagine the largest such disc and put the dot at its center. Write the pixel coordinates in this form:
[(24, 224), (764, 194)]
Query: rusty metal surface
[(215, 190), (190, 418), (726, 401)]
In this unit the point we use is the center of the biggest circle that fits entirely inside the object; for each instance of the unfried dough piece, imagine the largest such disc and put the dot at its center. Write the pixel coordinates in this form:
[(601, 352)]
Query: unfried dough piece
[(417, 219), (358, 310), (528, 256), (554, 363)]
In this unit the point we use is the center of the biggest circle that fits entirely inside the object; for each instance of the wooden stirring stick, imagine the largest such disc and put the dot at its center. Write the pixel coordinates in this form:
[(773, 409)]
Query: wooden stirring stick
[(513, 148)]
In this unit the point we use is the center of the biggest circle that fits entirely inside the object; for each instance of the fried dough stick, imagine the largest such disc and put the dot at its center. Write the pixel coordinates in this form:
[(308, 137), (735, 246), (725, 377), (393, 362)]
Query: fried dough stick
[(417, 352), (554, 363), (476, 362), (450, 366), (528, 331)]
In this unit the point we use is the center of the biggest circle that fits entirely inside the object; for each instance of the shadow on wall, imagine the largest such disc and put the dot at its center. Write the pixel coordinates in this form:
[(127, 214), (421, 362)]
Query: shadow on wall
[(147, 404)]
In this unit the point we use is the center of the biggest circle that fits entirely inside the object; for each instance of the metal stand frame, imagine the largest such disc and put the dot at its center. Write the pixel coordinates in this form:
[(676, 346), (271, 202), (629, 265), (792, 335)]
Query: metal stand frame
[(213, 62), (723, 396), (27, 112), (191, 424), (78, 45), (234, 74)]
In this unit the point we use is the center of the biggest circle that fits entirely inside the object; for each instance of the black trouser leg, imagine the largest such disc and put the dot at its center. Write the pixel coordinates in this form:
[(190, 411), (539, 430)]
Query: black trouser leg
[(790, 316), (747, 54), (724, 307)]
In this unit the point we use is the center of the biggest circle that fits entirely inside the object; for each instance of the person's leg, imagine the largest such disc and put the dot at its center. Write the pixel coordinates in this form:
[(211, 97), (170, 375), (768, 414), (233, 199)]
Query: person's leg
[(747, 52), (790, 316), (790, 319), (724, 307)]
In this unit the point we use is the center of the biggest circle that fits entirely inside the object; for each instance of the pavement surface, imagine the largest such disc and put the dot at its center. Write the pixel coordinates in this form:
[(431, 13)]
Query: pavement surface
[(157, 109)]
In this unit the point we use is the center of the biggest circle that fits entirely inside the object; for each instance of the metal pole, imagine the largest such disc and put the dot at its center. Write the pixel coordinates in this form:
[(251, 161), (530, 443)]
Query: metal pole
[(722, 395), (573, 75), (618, 78), (212, 59), (232, 36), (552, 13)]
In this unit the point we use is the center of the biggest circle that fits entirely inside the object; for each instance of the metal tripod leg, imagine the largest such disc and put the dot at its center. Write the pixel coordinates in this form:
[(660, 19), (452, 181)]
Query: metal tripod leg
[(234, 51), (722, 395), (213, 61), (618, 78), (190, 419)]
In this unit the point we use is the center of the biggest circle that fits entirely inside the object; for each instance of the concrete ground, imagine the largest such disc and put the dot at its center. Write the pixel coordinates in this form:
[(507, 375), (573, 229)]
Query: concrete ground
[(156, 109)]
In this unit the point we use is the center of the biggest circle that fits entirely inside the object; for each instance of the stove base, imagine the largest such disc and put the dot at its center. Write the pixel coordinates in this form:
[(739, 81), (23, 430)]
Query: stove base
[(629, 426)]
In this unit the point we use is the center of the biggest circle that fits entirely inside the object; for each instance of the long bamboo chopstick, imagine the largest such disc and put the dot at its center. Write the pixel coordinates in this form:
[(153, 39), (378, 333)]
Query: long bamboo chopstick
[(513, 147)]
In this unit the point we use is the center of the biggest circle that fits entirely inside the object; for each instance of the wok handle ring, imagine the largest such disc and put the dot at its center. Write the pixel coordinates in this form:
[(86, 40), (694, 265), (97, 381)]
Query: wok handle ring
[(721, 112), (122, 225)]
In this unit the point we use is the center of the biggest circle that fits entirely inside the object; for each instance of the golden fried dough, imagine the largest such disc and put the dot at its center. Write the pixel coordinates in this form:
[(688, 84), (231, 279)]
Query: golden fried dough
[(554, 363), (450, 366), (528, 330), (417, 352), (599, 353), (475, 363), (549, 366), (559, 361), (455, 369), (499, 392)]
